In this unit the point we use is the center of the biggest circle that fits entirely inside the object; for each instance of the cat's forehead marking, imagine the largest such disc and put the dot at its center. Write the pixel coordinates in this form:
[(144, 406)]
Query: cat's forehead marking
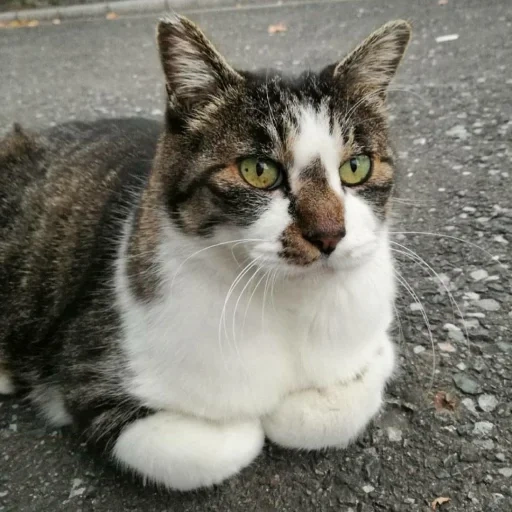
[(317, 138)]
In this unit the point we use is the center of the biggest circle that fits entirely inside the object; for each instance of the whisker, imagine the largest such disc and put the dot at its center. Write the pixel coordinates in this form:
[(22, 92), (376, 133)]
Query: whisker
[(272, 289), (416, 257), (451, 237), (240, 276), (265, 275), (400, 329), (208, 248), (401, 279), (233, 323)]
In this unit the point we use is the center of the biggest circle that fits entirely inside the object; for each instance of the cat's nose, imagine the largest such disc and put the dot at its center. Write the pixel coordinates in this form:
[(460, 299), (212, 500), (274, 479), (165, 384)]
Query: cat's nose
[(325, 242)]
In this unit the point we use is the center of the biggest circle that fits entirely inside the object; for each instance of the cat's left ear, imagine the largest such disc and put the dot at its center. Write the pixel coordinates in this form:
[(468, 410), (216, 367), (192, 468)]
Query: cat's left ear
[(195, 71), (370, 68)]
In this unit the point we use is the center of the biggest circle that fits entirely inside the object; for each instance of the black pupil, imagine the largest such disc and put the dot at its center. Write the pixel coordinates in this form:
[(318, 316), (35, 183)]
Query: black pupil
[(353, 164), (260, 168)]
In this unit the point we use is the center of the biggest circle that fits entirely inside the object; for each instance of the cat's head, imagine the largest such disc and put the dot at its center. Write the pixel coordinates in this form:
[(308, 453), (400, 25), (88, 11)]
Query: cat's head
[(298, 167)]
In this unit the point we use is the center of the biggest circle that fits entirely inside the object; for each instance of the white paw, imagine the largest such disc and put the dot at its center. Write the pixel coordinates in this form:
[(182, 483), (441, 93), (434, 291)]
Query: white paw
[(330, 417), (6, 385), (185, 453)]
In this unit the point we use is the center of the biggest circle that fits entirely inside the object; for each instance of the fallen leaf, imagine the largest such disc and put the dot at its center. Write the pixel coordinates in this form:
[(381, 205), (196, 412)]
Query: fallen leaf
[(112, 16), (440, 501), (20, 24), (445, 401), (278, 27)]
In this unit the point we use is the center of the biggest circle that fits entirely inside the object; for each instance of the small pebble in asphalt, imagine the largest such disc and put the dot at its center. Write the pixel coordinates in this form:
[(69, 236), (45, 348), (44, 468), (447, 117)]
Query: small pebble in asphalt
[(488, 304), (500, 239), (482, 428), (484, 444), (458, 131), (487, 402), (506, 472), (415, 306), (469, 405), (394, 434), (479, 274), (471, 323), (467, 385)]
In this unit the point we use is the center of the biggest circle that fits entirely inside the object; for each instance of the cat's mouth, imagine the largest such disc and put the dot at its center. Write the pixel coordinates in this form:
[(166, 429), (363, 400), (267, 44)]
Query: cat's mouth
[(300, 253), (294, 262)]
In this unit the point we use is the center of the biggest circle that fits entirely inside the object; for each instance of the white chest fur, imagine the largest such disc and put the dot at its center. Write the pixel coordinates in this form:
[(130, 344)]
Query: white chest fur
[(191, 352)]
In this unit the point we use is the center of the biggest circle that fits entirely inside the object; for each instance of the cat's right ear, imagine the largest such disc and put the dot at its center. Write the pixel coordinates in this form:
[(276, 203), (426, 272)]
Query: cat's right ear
[(195, 71)]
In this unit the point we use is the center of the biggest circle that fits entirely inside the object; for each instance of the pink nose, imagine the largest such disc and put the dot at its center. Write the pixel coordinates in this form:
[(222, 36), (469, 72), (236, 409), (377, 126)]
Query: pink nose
[(325, 242)]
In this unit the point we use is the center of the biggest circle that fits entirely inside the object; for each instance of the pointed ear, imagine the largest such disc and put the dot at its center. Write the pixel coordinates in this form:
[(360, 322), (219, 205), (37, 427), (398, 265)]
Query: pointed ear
[(373, 64), (194, 70)]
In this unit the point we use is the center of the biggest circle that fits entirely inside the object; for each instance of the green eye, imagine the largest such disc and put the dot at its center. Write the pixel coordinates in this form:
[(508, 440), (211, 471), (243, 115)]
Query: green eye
[(356, 170), (260, 172)]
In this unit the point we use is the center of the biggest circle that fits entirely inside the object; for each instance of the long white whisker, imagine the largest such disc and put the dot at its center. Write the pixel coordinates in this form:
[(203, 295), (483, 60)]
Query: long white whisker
[(272, 285), (400, 329), (416, 257), (415, 297), (240, 240), (233, 324), (240, 276), (441, 235), (266, 274), (264, 303)]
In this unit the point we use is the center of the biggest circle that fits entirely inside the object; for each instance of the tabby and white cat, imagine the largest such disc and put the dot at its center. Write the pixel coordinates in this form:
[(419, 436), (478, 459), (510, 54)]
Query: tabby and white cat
[(180, 292)]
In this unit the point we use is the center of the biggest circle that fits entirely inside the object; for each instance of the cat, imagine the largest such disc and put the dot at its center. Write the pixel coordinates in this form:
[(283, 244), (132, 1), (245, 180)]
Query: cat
[(180, 291)]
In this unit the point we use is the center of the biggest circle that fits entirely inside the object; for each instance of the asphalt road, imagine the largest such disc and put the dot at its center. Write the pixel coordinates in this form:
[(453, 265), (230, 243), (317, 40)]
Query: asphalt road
[(447, 429)]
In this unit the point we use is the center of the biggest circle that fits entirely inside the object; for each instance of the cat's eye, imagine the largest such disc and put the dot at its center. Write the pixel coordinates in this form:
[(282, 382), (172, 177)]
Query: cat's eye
[(261, 172), (356, 170)]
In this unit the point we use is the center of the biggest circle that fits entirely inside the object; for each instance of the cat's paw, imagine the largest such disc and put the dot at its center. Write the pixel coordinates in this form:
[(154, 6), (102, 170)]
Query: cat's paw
[(331, 417), (186, 453)]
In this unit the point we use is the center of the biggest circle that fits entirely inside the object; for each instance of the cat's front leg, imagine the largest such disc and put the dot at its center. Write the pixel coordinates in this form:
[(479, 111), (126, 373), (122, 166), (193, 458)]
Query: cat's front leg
[(332, 417), (186, 453)]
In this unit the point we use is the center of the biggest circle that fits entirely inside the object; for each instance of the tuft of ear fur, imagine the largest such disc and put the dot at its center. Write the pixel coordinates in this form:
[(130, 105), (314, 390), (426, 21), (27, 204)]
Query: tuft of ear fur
[(195, 71), (373, 64)]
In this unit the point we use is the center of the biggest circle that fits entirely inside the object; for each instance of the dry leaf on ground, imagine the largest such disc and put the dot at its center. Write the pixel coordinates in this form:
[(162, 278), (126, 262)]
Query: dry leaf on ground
[(20, 24), (112, 16), (445, 401), (278, 27), (440, 501)]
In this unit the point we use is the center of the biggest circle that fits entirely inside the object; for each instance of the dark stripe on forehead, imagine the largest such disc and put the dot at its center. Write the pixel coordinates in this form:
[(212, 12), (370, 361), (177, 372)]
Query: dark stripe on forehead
[(313, 171)]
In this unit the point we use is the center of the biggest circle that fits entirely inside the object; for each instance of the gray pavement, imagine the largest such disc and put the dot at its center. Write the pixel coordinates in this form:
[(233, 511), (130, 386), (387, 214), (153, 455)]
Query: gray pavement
[(452, 115)]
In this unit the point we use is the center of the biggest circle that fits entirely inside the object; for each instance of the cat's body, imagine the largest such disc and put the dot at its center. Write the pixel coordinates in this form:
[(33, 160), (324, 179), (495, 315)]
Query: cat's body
[(177, 313), (66, 195)]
